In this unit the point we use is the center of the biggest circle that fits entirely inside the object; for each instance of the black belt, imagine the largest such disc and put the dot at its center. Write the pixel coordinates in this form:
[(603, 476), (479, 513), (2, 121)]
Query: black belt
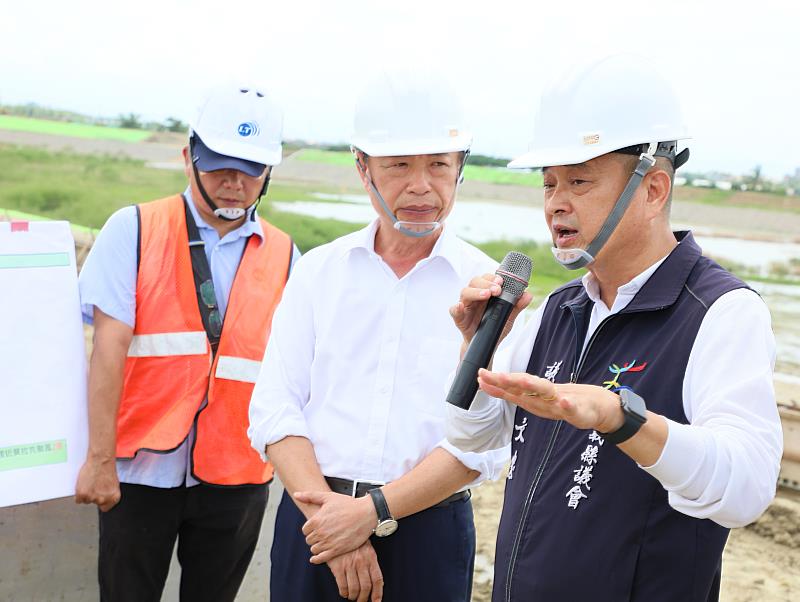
[(361, 488)]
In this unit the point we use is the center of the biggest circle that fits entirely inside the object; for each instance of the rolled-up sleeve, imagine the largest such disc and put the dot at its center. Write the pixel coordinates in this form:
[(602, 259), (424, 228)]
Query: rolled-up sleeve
[(489, 464), (724, 465), (283, 385), (486, 426), (488, 423)]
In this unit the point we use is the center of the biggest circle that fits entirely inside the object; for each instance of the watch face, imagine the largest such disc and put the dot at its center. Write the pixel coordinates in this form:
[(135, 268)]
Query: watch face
[(386, 527), (633, 405)]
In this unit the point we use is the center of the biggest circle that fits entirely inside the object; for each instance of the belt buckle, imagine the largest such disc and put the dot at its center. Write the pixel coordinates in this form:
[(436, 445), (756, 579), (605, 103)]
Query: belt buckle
[(356, 483)]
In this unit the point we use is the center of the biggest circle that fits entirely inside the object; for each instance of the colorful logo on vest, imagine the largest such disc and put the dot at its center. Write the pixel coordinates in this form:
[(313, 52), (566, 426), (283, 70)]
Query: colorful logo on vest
[(583, 475), (614, 383), (248, 128)]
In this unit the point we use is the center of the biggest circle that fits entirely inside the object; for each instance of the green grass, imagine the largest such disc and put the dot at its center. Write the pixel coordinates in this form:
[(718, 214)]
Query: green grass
[(87, 189), (707, 196), (763, 201), (478, 173), (501, 175), (287, 193), (84, 189), (315, 155), (10, 214), (547, 273), (307, 232), (77, 130)]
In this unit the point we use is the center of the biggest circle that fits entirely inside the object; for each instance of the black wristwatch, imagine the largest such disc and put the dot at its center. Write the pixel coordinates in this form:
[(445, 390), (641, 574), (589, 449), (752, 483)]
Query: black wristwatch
[(386, 523), (635, 412)]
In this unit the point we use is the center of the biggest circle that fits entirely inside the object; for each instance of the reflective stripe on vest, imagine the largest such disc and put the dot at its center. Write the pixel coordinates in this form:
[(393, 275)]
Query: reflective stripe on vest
[(237, 368), (170, 369), (168, 344)]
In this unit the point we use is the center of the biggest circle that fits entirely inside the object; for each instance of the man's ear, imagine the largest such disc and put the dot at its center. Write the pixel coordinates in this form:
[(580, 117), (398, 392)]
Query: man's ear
[(187, 162), (659, 187), (363, 169)]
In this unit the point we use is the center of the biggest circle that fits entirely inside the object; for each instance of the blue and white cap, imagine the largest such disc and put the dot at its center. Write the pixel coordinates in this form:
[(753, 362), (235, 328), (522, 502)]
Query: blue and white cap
[(208, 160), (238, 122)]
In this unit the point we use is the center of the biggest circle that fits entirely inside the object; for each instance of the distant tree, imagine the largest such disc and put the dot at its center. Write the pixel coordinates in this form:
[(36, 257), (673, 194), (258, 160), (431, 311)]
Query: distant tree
[(332, 147), (130, 121), (173, 124), (754, 181), (475, 159)]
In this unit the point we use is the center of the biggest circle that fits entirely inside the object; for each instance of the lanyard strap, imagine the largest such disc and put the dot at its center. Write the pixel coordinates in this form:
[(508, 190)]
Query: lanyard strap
[(203, 283)]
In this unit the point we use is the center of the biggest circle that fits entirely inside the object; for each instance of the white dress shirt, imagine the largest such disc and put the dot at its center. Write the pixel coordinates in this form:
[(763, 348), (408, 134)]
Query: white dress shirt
[(723, 465), (358, 358)]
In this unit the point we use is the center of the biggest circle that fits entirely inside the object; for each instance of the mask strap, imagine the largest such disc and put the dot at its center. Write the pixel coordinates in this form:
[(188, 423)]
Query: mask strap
[(228, 214), (573, 259), (398, 225)]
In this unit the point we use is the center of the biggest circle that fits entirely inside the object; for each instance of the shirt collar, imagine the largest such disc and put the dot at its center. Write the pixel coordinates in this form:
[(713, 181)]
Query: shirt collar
[(246, 229), (446, 246), (626, 292), (657, 287)]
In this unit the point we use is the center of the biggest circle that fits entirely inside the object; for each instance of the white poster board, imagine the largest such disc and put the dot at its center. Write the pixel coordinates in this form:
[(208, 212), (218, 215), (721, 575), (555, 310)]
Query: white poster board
[(43, 416)]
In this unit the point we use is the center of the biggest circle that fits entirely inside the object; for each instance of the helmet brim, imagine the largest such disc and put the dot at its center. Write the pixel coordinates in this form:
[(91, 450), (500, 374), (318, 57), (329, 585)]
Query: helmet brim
[(402, 148), (266, 155), (551, 157), (209, 160)]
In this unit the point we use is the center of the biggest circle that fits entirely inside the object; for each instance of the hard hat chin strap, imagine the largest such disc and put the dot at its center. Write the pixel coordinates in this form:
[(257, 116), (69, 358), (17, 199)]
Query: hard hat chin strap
[(229, 214), (574, 259), (427, 228)]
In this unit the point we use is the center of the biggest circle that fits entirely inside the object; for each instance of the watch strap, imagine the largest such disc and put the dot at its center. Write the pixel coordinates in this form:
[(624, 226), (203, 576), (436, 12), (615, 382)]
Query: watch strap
[(381, 507), (635, 417)]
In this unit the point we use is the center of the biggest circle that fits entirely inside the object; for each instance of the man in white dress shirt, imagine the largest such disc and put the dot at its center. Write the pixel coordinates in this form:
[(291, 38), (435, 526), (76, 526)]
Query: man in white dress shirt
[(638, 400), (350, 395)]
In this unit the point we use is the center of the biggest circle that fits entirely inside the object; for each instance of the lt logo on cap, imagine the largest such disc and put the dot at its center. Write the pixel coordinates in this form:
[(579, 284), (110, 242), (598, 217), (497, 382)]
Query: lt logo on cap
[(248, 128)]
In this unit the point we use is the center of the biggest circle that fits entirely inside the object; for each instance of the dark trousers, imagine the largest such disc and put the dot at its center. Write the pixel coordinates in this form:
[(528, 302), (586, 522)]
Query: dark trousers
[(216, 527), (429, 558)]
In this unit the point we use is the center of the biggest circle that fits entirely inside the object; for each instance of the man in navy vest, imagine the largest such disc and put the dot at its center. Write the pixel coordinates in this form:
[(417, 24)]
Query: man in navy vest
[(638, 400)]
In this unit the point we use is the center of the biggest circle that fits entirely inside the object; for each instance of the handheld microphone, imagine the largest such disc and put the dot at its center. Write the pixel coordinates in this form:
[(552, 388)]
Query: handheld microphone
[(515, 271)]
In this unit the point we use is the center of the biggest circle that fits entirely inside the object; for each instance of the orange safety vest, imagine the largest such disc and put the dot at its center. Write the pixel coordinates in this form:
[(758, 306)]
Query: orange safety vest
[(170, 369)]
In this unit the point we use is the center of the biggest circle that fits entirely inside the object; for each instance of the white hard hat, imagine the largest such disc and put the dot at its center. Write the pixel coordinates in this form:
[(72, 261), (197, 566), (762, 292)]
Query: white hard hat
[(409, 113), (241, 122), (613, 103)]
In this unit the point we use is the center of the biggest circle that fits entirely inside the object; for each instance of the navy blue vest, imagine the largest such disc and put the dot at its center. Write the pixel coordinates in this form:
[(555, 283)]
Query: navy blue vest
[(581, 521)]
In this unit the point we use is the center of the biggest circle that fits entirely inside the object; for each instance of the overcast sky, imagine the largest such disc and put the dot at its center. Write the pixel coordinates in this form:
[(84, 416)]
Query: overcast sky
[(735, 64)]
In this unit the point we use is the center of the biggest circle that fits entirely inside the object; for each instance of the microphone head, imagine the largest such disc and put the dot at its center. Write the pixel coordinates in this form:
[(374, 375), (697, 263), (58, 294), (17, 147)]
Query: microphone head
[(515, 271)]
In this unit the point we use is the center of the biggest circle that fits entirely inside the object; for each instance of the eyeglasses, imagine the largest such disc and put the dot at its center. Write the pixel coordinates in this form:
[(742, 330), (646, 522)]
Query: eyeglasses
[(210, 299)]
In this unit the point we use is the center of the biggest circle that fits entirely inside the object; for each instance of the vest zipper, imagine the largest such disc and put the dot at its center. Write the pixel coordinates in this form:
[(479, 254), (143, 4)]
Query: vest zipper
[(574, 376), (548, 451), (526, 508)]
